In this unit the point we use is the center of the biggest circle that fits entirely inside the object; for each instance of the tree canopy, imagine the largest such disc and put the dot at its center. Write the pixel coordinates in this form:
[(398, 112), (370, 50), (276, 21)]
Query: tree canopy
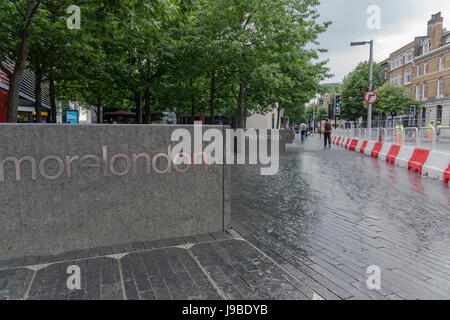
[(228, 58), (356, 84)]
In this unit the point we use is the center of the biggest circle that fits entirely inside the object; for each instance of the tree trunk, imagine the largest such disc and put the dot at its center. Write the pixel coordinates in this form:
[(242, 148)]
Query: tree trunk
[(241, 106), (213, 96), (14, 82), (137, 99), (278, 117), (52, 97), (148, 115), (38, 94), (99, 110), (192, 102), (177, 111)]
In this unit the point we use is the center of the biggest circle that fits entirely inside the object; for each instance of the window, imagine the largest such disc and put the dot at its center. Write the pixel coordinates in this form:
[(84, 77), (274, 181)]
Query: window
[(439, 113), (425, 68), (417, 92), (408, 76), (425, 91), (418, 70), (409, 56), (392, 65), (425, 48), (385, 75), (396, 79), (441, 63), (440, 87)]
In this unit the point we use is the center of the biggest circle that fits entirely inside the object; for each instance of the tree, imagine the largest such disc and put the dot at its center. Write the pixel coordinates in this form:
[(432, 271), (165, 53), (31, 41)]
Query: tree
[(393, 99), (22, 21), (355, 86)]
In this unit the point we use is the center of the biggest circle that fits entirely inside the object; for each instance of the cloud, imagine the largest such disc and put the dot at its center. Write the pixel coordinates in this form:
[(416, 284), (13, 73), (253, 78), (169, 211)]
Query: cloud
[(401, 21)]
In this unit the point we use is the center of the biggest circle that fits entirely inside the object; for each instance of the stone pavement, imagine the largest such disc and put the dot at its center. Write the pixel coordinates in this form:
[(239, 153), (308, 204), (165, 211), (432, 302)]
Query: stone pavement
[(309, 232)]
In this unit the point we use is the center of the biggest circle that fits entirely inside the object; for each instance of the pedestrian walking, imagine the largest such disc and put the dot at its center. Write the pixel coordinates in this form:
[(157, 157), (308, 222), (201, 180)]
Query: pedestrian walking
[(305, 131), (327, 129)]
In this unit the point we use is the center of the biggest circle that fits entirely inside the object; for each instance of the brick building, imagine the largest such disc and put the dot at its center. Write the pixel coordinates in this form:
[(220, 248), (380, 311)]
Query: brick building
[(423, 66)]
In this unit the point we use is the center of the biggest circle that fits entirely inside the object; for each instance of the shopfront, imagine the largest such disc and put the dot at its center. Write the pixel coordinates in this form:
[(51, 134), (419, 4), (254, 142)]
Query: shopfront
[(26, 110), (3, 105)]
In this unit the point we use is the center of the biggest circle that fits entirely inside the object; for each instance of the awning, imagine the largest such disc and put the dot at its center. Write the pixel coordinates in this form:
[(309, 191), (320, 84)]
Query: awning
[(121, 113), (26, 109)]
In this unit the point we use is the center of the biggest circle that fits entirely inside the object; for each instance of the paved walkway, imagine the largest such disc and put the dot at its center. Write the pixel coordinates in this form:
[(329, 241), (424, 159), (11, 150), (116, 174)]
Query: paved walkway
[(310, 232)]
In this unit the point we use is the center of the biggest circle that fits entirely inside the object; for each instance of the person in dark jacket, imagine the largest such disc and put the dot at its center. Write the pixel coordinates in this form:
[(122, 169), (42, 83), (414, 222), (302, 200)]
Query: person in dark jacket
[(327, 133)]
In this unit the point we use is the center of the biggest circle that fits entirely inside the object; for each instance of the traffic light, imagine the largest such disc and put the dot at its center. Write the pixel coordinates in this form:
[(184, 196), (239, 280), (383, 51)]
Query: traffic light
[(338, 100), (338, 105), (412, 110)]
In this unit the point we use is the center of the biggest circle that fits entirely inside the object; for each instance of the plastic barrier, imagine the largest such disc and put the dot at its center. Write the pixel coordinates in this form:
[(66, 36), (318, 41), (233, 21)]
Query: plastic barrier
[(363, 146), (369, 148), (347, 143), (404, 156), (447, 175), (376, 149), (334, 139), (393, 153), (436, 165), (384, 151), (418, 159), (338, 140), (352, 146), (358, 145)]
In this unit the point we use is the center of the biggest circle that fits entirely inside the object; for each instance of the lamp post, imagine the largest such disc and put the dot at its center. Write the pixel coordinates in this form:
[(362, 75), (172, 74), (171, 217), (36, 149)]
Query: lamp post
[(362, 43)]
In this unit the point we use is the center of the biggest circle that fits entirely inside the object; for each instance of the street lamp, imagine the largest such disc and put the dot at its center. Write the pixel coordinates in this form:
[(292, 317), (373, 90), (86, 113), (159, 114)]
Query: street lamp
[(362, 43)]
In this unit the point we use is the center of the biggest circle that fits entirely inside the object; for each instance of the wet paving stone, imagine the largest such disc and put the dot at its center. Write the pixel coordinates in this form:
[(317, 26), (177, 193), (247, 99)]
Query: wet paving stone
[(165, 274), (311, 231), (331, 214)]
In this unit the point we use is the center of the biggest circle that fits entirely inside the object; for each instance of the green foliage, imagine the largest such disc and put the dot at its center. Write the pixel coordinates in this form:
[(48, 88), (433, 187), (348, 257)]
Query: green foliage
[(229, 58), (356, 84), (393, 99)]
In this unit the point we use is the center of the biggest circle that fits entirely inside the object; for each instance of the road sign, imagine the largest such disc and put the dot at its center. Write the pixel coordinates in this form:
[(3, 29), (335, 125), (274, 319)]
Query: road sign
[(371, 97)]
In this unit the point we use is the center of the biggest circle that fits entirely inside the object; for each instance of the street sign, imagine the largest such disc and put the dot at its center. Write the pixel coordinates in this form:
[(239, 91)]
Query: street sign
[(371, 97)]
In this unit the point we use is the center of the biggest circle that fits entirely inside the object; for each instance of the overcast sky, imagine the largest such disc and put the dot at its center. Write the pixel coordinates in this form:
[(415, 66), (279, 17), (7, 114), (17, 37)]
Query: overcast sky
[(401, 21)]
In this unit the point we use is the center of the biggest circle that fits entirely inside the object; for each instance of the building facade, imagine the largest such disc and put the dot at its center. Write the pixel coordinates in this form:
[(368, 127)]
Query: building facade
[(423, 66), (264, 121), (26, 110)]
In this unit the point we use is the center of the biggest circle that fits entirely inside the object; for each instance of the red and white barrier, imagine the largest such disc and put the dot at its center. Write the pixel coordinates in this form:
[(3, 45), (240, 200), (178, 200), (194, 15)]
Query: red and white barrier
[(434, 164), (393, 153), (418, 159), (384, 151), (376, 149), (369, 148), (404, 156)]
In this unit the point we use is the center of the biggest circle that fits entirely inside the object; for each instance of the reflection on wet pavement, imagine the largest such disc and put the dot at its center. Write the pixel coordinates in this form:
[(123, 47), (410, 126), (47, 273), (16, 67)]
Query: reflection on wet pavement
[(330, 214)]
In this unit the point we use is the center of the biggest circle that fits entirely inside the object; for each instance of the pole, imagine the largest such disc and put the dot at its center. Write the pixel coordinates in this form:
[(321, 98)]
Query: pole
[(314, 115), (369, 111)]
